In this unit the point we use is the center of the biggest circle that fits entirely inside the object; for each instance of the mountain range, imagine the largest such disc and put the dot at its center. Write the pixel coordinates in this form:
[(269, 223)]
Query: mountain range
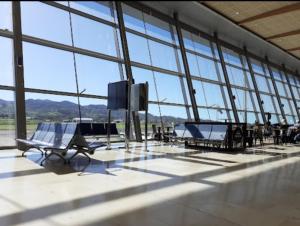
[(42, 110)]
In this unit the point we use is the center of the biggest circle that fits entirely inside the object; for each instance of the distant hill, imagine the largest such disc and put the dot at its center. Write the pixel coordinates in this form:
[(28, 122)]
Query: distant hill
[(65, 110)]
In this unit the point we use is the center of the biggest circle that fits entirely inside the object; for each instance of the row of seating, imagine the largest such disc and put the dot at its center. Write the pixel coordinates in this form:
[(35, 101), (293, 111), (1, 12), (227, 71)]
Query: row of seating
[(58, 138), (202, 133), (98, 129), (217, 135)]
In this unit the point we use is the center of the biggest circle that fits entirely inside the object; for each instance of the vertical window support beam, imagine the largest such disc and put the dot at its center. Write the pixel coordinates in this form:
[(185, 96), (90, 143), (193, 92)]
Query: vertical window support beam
[(228, 85), (255, 85), (291, 90), (275, 88), (298, 77), (186, 68), (127, 67), (185, 98), (19, 73)]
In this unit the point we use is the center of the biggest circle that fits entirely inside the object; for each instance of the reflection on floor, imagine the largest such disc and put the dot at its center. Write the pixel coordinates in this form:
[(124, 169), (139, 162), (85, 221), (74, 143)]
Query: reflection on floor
[(165, 186)]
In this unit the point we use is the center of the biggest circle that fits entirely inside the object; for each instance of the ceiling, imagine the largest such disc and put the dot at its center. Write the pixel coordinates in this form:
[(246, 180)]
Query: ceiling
[(277, 22)]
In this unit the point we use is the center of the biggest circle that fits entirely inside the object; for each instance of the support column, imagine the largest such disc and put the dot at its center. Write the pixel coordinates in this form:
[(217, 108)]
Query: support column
[(19, 73), (127, 67), (298, 77), (275, 88), (228, 85), (292, 92), (255, 85), (186, 68)]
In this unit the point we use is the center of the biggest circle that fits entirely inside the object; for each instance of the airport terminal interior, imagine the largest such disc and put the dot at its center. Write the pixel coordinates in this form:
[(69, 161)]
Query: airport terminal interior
[(162, 113)]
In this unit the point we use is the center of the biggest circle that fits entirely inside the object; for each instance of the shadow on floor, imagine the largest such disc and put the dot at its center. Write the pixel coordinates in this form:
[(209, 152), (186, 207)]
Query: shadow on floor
[(33, 214)]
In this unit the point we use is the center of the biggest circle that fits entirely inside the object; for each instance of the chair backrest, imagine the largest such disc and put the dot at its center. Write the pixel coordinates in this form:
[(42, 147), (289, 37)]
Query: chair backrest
[(205, 130), (59, 132), (113, 128), (36, 134), (85, 129), (179, 130), (71, 130), (192, 131), (49, 137), (218, 132), (43, 129), (98, 129)]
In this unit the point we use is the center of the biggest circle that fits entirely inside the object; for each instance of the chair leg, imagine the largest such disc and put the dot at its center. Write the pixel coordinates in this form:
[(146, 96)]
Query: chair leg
[(79, 152), (27, 149), (53, 153), (47, 156), (23, 154), (73, 156), (85, 154)]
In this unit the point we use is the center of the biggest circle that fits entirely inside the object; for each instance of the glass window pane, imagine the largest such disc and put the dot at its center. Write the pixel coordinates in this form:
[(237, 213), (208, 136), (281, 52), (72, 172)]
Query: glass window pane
[(6, 62), (257, 67), (286, 106), (46, 22), (48, 68), (164, 84), (141, 76), (296, 92), (5, 15), (207, 68), (46, 107), (138, 49), (268, 104), (196, 43), (7, 118), (276, 74), (95, 74), (231, 57), (94, 36), (262, 83), (236, 76), (271, 86), (158, 28), (99, 9), (133, 18), (170, 114), (163, 56), (208, 95), (280, 89)]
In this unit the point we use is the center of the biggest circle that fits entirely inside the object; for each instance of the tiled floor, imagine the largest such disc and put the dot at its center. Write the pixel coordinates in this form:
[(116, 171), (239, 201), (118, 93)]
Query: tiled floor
[(166, 186)]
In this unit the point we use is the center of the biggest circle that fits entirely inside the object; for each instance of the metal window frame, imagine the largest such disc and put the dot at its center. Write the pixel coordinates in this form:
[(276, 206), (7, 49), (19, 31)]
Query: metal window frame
[(255, 85), (229, 88), (186, 69), (292, 92), (19, 74), (275, 88)]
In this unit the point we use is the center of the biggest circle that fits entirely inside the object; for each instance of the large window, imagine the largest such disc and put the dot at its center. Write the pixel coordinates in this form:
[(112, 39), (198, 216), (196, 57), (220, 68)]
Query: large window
[(285, 95), (5, 16), (266, 90), (208, 79), (154, 53), (75, 52), (63, 73), (7, 95), (242, 87)]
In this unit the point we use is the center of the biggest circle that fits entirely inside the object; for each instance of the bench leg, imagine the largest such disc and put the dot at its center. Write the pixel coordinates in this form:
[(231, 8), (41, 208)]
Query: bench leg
[(23, 154), (53, 153), (77, 153)]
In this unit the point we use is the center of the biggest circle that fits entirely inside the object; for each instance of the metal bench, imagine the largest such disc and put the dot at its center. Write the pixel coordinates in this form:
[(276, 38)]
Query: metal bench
[(37, 140), (229, 136), (58, 138)]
